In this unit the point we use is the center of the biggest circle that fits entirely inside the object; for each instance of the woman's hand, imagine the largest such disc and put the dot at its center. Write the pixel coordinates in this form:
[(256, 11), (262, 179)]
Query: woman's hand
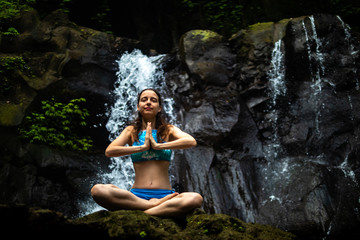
[(153, 143), (148, 137)]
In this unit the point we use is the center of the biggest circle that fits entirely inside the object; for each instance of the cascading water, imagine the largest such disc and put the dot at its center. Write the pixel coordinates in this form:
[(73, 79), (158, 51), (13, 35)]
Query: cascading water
[(316, 61), (344, 166), (279, 164), (277, 88), (351, 48), (136, 72), (276, 170)]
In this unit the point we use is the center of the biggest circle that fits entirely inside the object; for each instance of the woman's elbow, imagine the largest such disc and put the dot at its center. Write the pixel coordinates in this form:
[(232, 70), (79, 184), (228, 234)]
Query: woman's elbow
[(108, 153), (193, 143)]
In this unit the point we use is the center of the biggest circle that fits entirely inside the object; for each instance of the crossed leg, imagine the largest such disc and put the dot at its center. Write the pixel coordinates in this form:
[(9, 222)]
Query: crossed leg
[(177, 205), (113, 198)]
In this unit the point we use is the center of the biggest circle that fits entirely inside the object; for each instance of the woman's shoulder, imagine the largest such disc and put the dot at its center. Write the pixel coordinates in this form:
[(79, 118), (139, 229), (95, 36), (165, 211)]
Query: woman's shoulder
[(129, 132), (172, 129), (129, 129)]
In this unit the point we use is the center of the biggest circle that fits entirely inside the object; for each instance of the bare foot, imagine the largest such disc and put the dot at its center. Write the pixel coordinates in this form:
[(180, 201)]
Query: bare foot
[(155, 201)]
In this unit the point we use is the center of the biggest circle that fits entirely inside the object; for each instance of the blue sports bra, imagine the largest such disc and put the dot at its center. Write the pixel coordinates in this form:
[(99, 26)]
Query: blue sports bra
[(150, 154)]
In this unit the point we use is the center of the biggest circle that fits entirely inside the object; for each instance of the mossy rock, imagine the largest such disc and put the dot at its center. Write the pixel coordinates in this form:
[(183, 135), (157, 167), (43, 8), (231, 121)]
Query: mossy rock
[(221, 226), (11, 114), (126, 224), (23, 221), (205, 35)]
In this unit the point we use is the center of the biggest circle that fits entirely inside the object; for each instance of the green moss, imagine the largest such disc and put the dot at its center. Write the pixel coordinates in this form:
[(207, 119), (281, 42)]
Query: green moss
[(10, 114), (261, 26), (126, 224), (261, 32), (216, 224), (142, 234), (205, 35)]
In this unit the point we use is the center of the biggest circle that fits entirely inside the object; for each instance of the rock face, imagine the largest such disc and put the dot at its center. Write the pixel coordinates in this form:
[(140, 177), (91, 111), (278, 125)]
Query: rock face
[(21, 221), (66, 61), (274, 110), (41, 176), (279, 144)]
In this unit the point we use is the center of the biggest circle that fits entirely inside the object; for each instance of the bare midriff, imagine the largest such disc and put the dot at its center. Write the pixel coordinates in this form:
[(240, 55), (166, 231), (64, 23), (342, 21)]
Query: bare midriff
[(152, 175)]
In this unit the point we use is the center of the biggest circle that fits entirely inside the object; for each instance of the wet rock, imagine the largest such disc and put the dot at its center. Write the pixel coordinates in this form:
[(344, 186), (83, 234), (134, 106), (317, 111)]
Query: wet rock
[(207, 56), (288, 158)]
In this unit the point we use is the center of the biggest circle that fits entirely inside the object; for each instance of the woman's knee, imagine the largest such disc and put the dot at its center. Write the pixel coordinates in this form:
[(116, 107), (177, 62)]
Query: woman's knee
[(197, 200), (194, 200), (97, 190)]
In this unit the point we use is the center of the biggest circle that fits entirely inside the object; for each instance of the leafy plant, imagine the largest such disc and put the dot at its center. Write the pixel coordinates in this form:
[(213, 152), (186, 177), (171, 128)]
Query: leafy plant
[(142, 234), (223, 16), (58, 125), (12, 32), (64, 5), (9, 10), (101, 19), (11, 63), (8, 65)]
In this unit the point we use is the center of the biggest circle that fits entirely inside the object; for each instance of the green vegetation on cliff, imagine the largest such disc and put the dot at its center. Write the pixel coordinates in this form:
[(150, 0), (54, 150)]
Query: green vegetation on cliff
[(58, 125), (9, 10)]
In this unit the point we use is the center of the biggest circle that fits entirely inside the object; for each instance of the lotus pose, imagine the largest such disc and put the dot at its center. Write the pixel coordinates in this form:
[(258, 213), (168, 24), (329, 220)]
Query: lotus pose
[(149, 141)]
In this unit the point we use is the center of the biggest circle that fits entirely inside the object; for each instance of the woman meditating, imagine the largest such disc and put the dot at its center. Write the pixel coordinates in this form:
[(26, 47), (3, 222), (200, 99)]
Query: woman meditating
[(149, 141)]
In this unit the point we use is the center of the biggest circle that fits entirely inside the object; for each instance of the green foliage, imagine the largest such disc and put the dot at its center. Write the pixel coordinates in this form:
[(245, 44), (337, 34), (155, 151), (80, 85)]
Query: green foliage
[(223, 16), (101, 19), (11, 8), (58, 125), (11, 63), (8, 65), (143, 234), (65, 5), (12, 32), (345, 8)]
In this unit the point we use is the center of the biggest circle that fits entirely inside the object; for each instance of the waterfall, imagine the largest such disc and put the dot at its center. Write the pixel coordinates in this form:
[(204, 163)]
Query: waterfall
[(351, 49), (136, 72), (276, 73), (277, 87), (316, 62), (276, 169)]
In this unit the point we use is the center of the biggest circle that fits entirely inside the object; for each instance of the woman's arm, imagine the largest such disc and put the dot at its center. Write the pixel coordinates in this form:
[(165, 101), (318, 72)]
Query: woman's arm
[(117, 148), (177, 140)]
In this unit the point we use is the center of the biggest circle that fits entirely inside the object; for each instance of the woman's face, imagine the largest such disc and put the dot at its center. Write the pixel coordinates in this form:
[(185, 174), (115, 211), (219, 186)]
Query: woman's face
[(148, 105)]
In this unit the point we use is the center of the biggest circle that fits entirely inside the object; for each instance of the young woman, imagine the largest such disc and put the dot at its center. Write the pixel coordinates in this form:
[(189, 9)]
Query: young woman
[(149, 141)]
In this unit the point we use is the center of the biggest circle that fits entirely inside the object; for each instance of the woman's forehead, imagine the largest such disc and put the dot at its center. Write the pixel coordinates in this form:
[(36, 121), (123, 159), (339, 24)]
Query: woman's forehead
[(148, 93)]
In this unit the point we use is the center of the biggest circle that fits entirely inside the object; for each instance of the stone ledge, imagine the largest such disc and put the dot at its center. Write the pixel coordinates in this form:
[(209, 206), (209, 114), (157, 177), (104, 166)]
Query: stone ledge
[(20, 221)]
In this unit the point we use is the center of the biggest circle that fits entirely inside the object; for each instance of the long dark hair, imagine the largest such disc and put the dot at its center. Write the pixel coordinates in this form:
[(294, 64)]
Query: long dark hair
[(161, 124)]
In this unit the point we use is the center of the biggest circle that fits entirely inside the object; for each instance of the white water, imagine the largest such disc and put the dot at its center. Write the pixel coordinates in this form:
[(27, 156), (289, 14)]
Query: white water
[(276, 75), (315, 59), (276, 170), (351, 48), (136, 72), (279, 170)]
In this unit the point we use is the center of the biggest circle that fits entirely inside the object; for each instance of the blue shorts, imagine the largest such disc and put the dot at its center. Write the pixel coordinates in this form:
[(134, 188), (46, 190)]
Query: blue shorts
[(148, 194)]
